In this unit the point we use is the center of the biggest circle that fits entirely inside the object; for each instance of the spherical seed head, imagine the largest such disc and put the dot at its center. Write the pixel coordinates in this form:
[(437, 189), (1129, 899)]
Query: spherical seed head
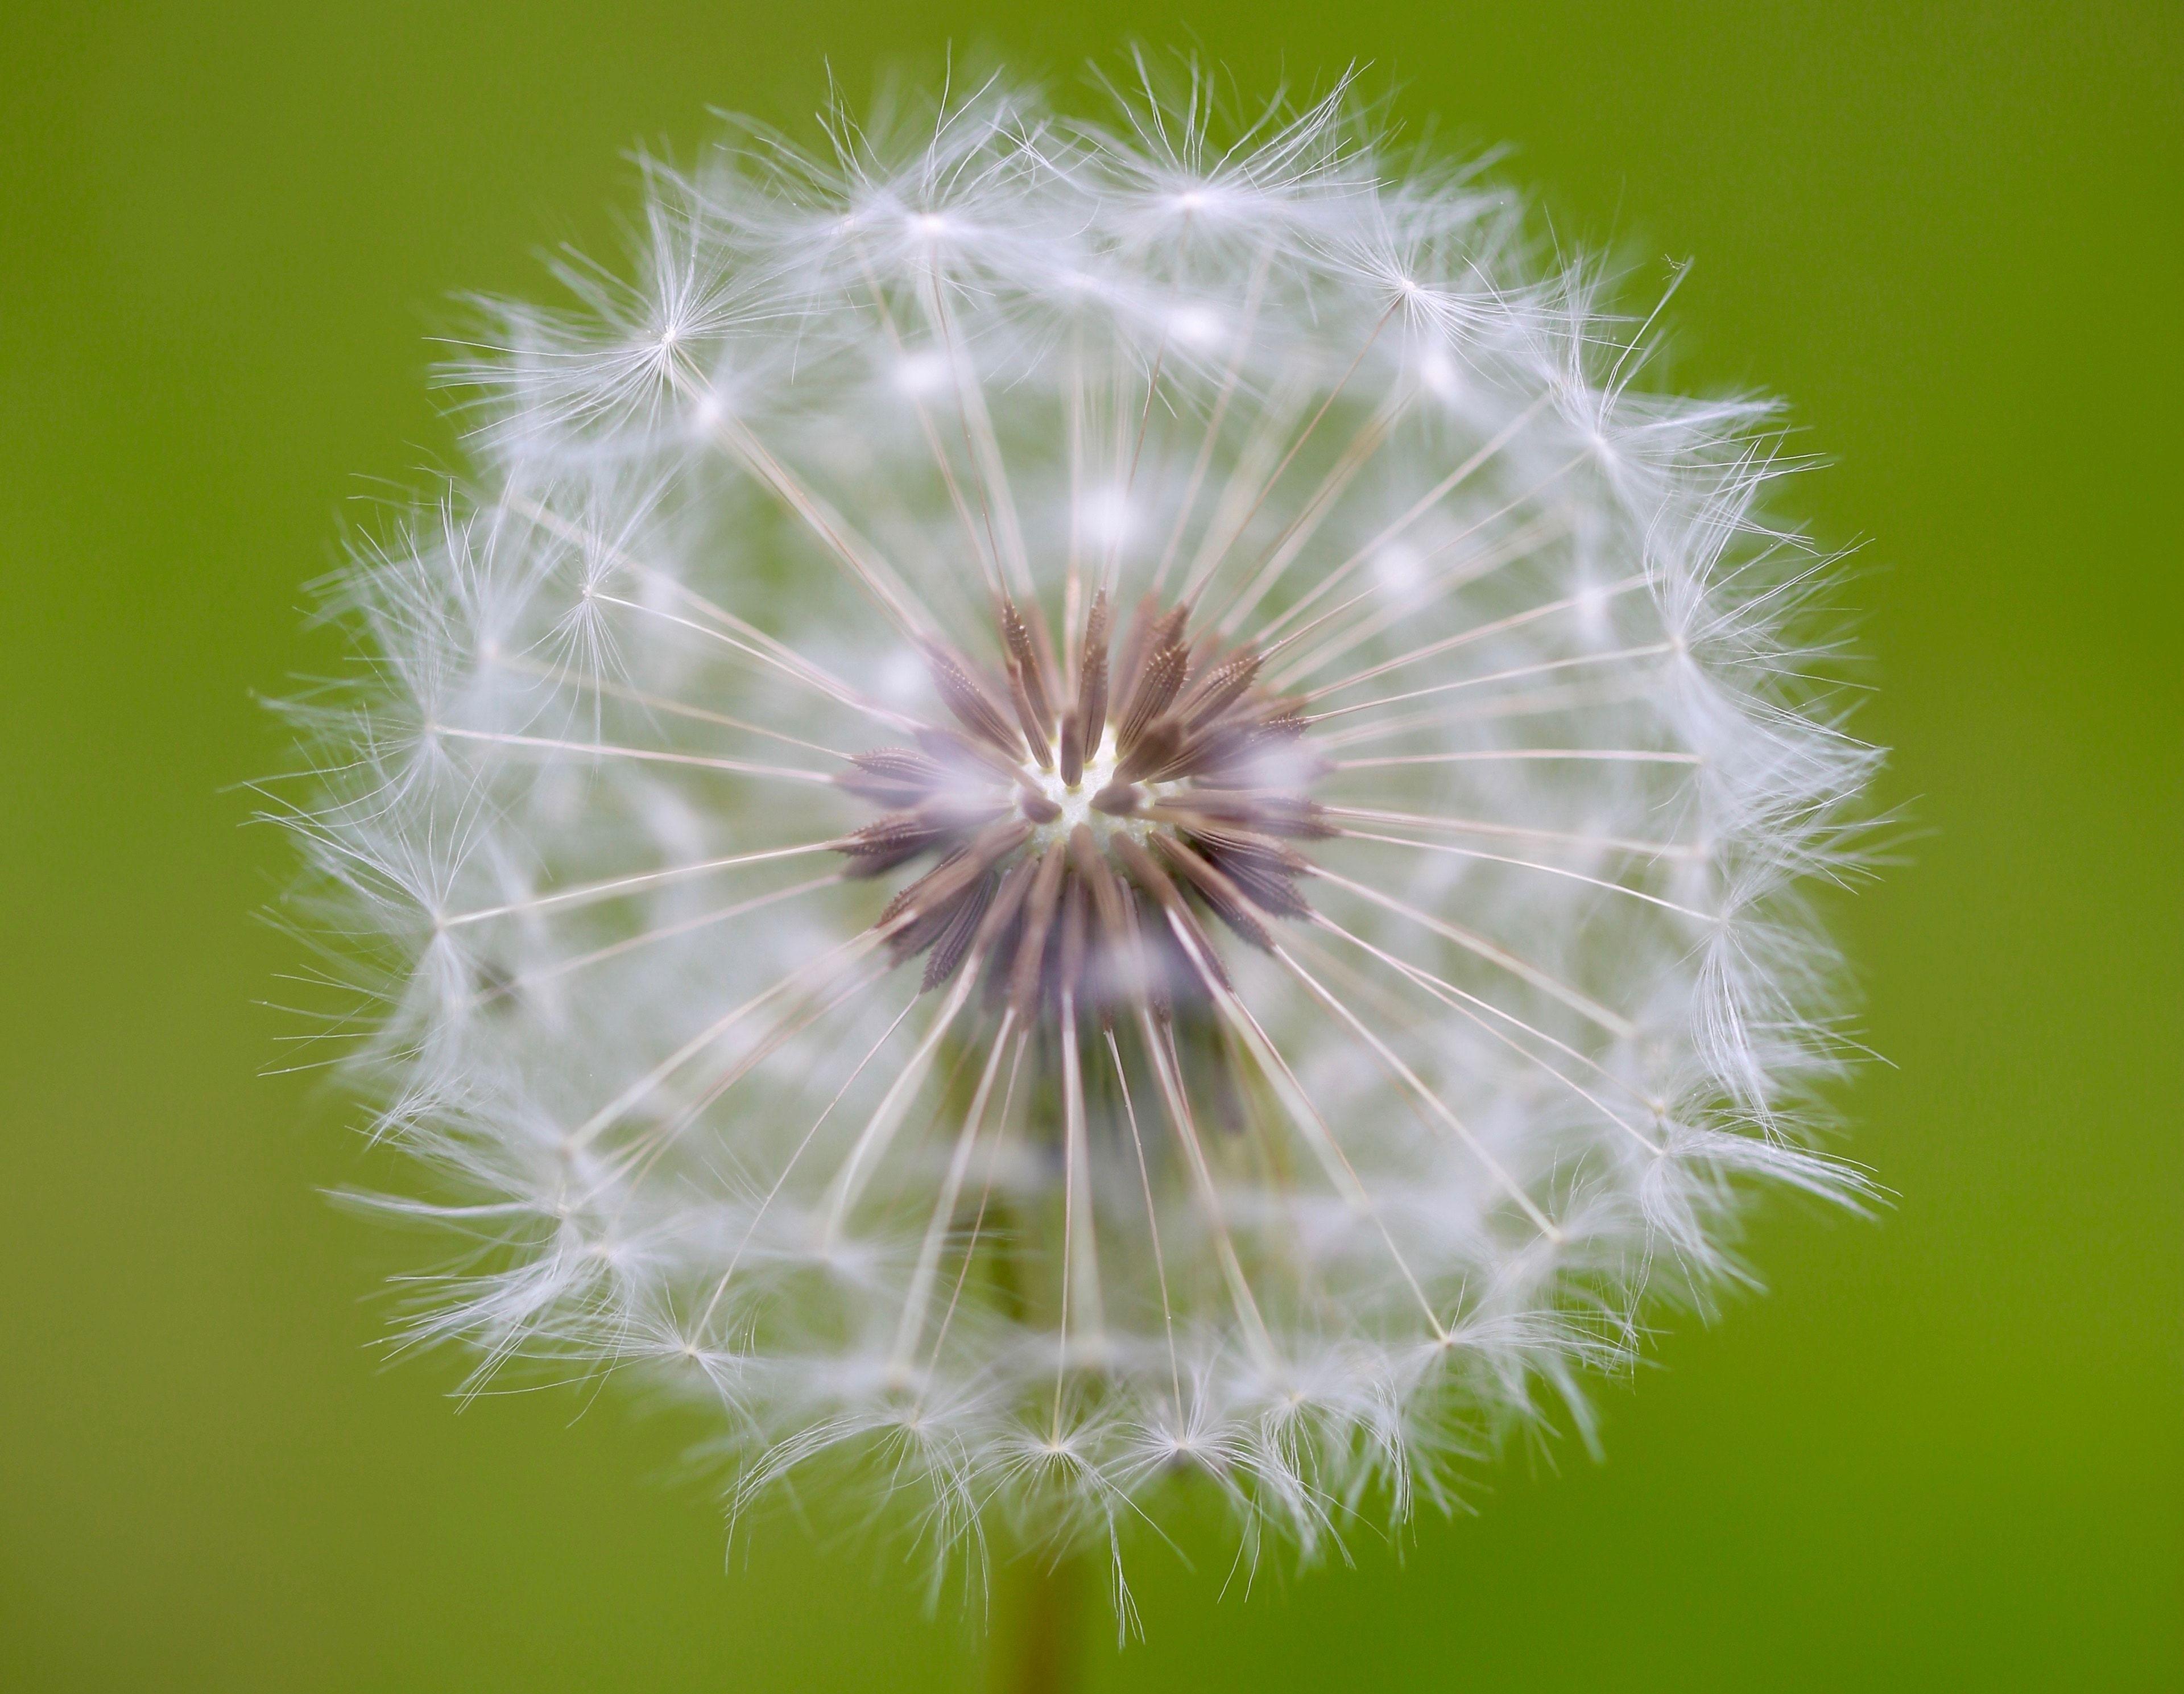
[(1091, 815)]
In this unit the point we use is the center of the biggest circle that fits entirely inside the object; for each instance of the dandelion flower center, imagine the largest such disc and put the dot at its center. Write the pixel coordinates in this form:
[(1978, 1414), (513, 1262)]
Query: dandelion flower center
[(1081, 829)]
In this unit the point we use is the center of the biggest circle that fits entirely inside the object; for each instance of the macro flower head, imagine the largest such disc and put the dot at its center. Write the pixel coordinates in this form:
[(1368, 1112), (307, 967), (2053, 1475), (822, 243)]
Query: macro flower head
[(1074, 812)]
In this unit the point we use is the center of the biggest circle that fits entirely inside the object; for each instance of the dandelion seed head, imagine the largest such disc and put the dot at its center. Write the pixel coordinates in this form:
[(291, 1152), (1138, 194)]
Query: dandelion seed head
[(1079, 809)]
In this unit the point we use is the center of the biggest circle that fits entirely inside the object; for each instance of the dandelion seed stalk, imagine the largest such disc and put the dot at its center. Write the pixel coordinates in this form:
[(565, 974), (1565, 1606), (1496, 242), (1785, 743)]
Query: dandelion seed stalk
[(1039, 1647)]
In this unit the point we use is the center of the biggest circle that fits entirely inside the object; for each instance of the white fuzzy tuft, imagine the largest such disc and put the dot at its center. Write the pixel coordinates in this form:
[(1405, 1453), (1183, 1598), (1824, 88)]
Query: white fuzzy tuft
[(1554, 1006)]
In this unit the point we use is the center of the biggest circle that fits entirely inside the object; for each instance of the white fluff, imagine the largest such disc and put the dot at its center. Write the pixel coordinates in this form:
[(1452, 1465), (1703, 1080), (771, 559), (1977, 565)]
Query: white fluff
[(578, 828)]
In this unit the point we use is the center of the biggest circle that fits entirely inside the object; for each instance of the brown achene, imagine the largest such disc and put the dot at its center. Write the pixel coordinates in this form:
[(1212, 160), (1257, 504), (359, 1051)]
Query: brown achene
[(1087, 815)]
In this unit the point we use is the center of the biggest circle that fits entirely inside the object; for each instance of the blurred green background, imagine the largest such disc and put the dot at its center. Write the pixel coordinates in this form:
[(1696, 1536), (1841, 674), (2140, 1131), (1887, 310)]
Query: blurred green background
[(1943, 1454)]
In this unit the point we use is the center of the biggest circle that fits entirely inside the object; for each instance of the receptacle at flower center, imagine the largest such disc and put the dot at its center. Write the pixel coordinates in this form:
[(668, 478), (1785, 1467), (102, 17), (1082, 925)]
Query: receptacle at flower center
[(1087, 811)]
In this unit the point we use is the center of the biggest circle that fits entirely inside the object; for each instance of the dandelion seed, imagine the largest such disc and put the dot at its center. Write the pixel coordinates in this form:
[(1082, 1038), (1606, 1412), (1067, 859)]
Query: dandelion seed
[(1082, 813)]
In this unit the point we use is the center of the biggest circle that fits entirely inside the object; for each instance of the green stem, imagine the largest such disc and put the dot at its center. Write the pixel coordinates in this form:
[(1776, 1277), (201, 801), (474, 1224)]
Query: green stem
[(1037, 1647)]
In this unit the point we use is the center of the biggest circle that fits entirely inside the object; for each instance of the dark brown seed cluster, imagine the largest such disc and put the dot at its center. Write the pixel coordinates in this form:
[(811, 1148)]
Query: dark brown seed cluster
[(1086, 814)]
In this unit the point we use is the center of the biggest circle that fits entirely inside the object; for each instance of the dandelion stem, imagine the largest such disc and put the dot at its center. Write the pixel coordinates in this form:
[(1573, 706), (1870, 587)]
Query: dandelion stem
[(1036, 1649)]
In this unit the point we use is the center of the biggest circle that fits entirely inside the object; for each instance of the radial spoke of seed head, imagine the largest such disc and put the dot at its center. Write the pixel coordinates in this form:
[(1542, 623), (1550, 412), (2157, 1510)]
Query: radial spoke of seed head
[(613, 886), (1425, 1096), (1456, 852), (739, 768), (1464, 1004), (1265, 491), (1383, 610), (1320, 1139), (1425, 503), (1304, 523), (912, 1325), (996, 502), (1449, 644), (1110, 575), (1620, 656), (981, 550), (755, 642), (1082, 1309), (856, 1170), (1378, 610), (1209, 1197), (1482, 756), (673, 708), (1623, 688), (1113, 507), (1152, 1214), (796, 1153), (1492, 952), (1254, 461), (1219, 412), (1477, 826), (634, 1160), (1372, 594), (779, 651), (867, 568), (985, 1198), (841, 696), (664, 931), (589, 1130), (1073, 437)]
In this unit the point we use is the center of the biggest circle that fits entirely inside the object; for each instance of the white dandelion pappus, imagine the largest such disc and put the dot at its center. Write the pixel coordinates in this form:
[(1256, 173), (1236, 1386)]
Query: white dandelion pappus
[(1074, 815)]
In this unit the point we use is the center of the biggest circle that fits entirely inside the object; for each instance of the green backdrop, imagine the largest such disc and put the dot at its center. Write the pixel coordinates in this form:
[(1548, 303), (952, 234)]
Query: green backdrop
[(1941, 1454)]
